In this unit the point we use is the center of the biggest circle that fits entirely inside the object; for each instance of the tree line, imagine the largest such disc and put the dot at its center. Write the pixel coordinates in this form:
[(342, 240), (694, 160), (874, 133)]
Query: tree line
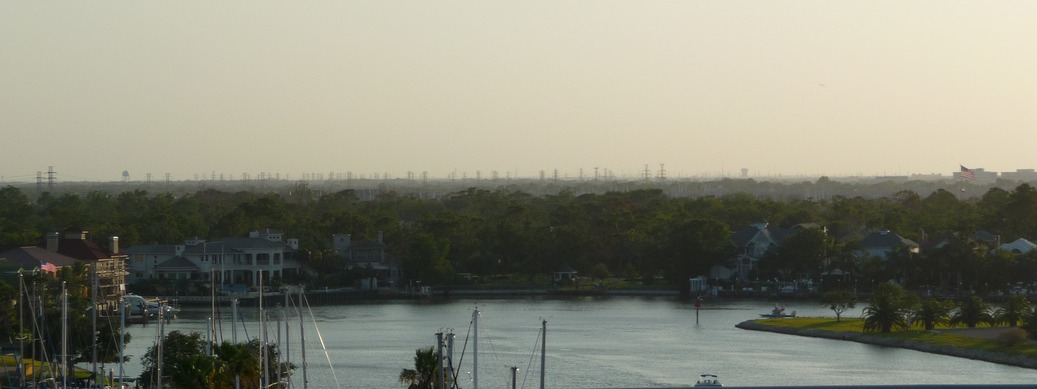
[(640, 233)]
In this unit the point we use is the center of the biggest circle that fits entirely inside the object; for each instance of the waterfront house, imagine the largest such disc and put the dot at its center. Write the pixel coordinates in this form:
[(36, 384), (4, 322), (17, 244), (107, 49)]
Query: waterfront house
[(109, 263), (1019, 246), (28, 259), (750, 243), (368, 255), (565, 275), (882, 243), (231, 260)]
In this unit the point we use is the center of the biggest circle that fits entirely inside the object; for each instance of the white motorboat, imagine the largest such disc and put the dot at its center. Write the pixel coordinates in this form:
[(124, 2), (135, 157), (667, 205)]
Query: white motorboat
[(708, 381), (778, 311)]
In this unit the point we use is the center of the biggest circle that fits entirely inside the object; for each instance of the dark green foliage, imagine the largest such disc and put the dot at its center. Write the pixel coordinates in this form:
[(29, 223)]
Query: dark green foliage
[(887, 310), (185, 363), (972, 311), (800, 255), (632, 229), (931, 313), (1013, 310), (839, 301), (423, 376)]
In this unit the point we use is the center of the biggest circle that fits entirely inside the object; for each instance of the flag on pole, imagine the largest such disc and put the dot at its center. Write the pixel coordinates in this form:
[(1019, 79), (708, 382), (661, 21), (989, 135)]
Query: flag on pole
[(48, 267), (967, 173)]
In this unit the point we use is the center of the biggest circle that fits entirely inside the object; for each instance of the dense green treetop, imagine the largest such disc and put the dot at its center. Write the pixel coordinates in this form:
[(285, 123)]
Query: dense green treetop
[(647, 231)]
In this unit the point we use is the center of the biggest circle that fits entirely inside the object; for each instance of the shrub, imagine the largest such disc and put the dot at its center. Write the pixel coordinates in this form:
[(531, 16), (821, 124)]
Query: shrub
[(1012, 337)]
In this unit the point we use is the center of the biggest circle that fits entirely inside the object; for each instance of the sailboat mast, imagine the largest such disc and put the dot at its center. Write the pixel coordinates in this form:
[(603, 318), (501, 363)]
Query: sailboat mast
[(161, 336), (287, 337), (450, 357), (262, 335), (302, 340), (122, 336), (21, 328), (543, 351), (212, 302), (64, 334), (475, 349), (440, 374), (93, 317), (234, 334)]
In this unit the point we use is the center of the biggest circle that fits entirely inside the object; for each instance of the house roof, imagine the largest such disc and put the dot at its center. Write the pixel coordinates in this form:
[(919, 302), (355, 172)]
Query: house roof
[(744, 236), (223, 245), (885, 238), (565, 269), (243, 243), (32, 257), (80, 249), (151, 249), (985, 237), (1020, 246), (177, 263)]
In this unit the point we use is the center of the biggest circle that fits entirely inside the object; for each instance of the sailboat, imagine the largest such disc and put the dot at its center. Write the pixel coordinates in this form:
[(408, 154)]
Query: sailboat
[(448, 359)]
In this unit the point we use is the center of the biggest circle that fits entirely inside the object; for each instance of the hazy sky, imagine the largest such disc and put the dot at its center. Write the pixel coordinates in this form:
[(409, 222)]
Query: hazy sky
[(387, 87)]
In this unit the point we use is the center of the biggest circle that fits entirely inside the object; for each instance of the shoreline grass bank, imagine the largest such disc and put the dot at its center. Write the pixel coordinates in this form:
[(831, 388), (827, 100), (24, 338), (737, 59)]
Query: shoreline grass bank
[(936, 342)]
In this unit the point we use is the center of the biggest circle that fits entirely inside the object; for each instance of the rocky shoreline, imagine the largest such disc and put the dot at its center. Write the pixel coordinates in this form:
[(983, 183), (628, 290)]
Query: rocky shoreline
[(1005, 359)]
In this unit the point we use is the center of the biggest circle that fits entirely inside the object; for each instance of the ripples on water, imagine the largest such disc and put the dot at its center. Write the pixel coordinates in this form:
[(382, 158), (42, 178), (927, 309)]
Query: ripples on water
[(593, 343)]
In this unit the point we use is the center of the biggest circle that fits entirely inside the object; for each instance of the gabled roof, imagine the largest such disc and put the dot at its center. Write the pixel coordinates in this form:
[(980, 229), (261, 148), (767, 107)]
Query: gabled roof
[(744, 236), (1019, 246), (224, 245), (176, 263), (934, 243), (33, 256), (244, 243), (80, 249), (885, 238), (985, 237), (151, 249)]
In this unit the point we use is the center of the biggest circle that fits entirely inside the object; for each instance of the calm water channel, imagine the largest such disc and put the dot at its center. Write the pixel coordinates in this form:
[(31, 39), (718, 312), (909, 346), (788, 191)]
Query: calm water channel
[(591, 343)]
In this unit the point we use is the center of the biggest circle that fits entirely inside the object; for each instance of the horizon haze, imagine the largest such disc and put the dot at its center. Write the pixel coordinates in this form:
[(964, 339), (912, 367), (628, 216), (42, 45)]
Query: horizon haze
[(698, 88)]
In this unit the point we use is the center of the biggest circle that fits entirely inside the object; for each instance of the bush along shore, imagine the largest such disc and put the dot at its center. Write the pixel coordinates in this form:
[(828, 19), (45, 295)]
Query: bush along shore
[(936, 341)]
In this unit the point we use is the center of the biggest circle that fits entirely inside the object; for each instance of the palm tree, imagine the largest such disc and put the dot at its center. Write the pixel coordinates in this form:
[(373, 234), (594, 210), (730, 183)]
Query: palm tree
[(1013, 311), (932, 312), (241, 362), (972, 311), (425, 367), (887, 309)]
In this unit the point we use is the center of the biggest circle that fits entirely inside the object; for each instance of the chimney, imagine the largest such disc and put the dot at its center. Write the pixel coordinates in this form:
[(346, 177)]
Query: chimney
[(114, 245), (52, 241), (380, 237), (179, 249)]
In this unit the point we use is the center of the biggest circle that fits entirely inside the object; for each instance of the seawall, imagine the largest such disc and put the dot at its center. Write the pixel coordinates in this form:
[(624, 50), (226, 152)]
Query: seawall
[(860, 337)]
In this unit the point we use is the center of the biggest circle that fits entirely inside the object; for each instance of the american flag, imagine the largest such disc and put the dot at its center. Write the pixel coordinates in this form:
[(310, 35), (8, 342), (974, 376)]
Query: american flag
[(967, 173), (48, 267)]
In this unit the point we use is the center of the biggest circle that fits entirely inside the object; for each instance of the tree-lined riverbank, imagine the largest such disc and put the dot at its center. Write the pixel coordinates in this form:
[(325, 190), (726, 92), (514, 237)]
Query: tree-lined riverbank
[(953, 342)]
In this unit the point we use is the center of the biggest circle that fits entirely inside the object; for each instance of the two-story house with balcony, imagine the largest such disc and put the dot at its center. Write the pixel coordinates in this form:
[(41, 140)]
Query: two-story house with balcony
[(369, 255), (750, 243), (239, 261)]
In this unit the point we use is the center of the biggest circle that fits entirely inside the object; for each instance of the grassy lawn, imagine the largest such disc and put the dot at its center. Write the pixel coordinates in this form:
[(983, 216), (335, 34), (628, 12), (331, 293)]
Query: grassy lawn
[(42, 369), (855, 325)]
